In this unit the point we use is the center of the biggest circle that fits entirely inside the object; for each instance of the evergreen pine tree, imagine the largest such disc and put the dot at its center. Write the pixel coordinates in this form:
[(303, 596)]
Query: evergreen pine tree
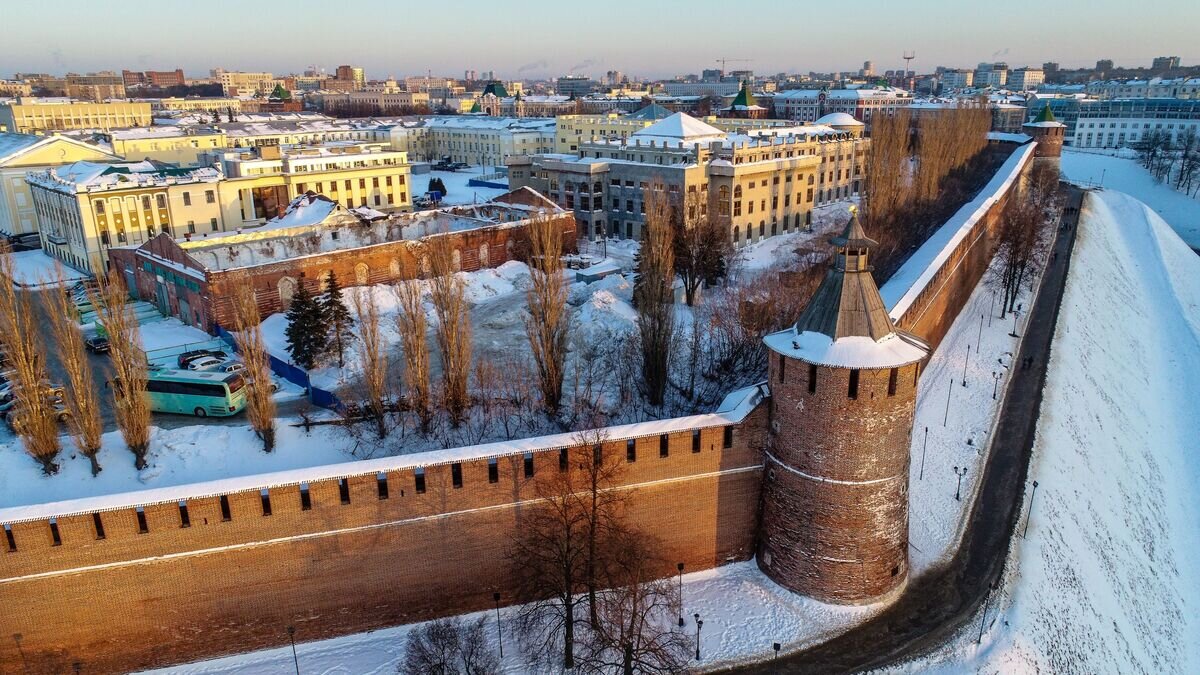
[(337, 318), (306, 333)]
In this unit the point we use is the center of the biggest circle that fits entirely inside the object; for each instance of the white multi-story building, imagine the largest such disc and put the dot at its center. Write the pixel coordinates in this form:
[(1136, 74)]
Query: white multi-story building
[(1026, 79), (475, 140), (234, 83), (957, 79), (809, 105), (1184, 88)]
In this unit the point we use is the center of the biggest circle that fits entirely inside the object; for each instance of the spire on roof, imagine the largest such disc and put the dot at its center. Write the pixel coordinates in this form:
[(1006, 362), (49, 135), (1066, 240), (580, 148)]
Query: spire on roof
[(848, 303), (475, 107)]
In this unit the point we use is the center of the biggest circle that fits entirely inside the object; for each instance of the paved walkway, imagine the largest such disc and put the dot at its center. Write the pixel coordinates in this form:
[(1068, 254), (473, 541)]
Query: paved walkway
[(936, 605)]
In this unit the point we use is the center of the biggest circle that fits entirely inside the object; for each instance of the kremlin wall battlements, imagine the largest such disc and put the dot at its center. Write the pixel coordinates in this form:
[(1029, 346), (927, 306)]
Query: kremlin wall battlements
[(168, 575)]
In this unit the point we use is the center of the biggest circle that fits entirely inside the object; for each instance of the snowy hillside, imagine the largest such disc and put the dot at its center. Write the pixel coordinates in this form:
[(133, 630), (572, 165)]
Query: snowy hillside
[(1125, 174), (1108, 580)]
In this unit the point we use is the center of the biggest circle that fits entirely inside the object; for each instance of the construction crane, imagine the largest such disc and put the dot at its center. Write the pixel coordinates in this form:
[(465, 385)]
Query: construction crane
[(724, 61)]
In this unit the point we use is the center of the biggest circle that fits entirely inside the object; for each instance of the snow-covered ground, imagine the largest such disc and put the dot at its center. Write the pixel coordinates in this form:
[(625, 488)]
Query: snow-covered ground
[(35, 268), (733, 631), (1124, 173), (168, 333), (743, 611), (457, 190), (177, 457), (1108, 579), (959, 421)]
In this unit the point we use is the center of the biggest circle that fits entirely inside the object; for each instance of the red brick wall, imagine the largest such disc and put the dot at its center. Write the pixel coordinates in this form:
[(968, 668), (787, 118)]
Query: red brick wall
[(835, 495), (940, 302), (173, 594)]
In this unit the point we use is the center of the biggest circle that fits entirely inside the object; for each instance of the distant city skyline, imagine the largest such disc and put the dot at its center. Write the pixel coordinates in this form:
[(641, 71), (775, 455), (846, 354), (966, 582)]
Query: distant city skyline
[(539, 39)]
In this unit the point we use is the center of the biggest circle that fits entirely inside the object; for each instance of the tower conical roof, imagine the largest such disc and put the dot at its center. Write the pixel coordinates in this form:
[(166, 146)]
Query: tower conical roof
[(1047, 115), (853, 235), (845, 324), (848, 303), (744, 98)]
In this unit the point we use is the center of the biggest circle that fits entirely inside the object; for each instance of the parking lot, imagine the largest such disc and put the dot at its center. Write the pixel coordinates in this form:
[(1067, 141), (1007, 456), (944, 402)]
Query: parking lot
[(164, 340)]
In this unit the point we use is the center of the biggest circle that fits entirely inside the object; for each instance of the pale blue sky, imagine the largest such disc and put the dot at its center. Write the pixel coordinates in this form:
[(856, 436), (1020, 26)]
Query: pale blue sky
[(537, 38)]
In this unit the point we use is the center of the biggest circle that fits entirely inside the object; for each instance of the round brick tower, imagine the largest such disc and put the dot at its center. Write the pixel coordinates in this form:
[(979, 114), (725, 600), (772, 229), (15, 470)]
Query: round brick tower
[(843, 391), (1048, 132)]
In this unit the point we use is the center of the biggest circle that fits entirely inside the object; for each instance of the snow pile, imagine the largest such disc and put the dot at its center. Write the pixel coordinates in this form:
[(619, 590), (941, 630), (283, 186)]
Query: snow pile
[(1179, 210), (35, 268), (606, 314), (1108, 578), (510, 277)]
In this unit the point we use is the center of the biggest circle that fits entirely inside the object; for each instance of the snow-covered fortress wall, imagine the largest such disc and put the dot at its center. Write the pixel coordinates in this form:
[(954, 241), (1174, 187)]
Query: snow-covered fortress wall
[(130, 586), (126, 584), (926, 294)]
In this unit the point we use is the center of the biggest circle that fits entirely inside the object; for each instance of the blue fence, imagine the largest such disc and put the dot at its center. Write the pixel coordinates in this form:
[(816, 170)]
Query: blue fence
[(294, 374), (475, 182)]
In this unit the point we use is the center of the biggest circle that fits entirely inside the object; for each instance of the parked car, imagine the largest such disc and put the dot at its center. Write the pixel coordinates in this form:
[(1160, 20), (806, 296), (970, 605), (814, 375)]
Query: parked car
[(13, 418), (231, 367), (8, 389), (187, 357), (204, 363), (96, 344), (7, 403)]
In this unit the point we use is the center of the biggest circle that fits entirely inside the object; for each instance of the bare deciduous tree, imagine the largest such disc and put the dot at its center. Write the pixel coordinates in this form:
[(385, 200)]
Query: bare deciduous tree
[(34, 416), (260, 400), (374, 355), (549, 320), (635, 631), (654, 294), (701, 243), (410, 324), (1023, 233), (131, 406), (449, 297), (449, 647), (83, 402)]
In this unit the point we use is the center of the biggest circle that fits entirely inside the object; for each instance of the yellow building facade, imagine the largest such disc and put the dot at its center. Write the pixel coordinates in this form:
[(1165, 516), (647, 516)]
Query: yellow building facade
[(22, 153), (176, 144), (86, 208), (34, 116), (260, 182), (574, 130)]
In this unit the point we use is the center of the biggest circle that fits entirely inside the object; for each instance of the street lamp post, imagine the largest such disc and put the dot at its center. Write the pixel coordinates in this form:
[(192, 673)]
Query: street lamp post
[(295, 658), (983, 621), (965, 361), (679, 566), (1014, 330), (996, 377), (777, 647), (699, 623), (924, 445), (992, 310), (1030, 514), (949, 393), (499, 634), (958, 490)]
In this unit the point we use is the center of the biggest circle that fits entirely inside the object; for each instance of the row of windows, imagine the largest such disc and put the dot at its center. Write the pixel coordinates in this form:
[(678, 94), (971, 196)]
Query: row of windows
[(852, 386), (381, 486)]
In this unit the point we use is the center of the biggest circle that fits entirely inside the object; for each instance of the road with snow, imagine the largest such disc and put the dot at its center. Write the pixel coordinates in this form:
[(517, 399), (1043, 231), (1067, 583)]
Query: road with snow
[(936, 605)]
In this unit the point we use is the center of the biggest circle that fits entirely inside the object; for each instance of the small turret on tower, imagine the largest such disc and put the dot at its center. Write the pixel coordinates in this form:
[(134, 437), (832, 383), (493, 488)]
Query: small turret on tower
[(1048, 132)]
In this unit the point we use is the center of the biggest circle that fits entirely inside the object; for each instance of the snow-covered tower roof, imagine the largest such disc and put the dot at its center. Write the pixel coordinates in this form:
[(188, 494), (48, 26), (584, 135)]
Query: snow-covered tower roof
[(846, 324)]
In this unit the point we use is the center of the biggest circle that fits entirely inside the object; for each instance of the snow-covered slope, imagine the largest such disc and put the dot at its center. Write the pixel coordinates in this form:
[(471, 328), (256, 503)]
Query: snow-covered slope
[(1181, 211), (1108, 580)]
